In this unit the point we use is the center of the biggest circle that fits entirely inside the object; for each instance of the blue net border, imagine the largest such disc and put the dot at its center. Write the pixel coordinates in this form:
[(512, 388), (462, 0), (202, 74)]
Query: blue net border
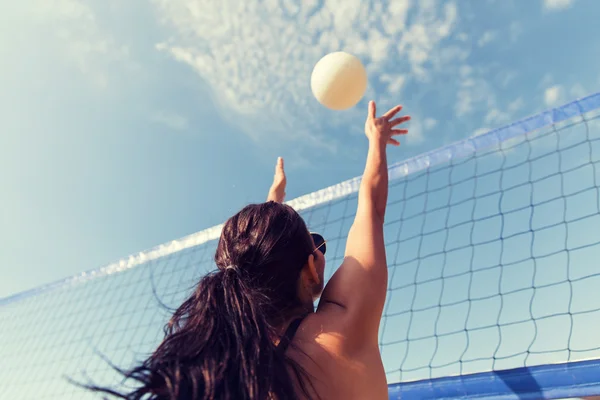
[(551, 381)]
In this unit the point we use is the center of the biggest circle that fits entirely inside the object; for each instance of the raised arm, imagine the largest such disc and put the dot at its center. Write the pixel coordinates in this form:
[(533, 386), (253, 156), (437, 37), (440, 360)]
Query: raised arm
[(277, 191), (358, 287)]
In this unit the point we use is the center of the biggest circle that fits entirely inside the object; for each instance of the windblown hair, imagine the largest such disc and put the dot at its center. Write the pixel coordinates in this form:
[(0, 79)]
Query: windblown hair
[(219, 344)]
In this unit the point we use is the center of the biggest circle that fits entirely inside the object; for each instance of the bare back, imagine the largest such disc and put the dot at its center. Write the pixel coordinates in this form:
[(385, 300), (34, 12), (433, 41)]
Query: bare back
[(336, 371)]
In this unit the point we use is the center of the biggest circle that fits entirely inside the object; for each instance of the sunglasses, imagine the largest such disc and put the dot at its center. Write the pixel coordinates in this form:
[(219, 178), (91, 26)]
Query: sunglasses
[(320, 243)]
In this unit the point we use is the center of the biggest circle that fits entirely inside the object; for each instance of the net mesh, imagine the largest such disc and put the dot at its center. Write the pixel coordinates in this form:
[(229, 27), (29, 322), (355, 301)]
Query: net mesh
[(492, 265)]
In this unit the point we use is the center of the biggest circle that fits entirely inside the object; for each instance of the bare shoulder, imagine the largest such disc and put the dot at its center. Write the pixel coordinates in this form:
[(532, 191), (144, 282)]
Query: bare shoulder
[(323, 337), (323, 330), (336, 369), (332, 328)]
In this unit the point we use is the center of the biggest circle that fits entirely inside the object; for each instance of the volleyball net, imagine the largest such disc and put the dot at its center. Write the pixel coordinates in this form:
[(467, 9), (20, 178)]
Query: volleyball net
[(492, 243)]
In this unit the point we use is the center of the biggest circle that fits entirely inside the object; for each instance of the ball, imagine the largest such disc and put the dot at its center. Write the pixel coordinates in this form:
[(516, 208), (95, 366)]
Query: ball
[(339, 81)]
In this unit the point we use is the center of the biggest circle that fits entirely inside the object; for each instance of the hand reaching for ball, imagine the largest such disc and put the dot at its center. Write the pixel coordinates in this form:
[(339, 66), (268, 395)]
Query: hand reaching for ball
[(382, 129)]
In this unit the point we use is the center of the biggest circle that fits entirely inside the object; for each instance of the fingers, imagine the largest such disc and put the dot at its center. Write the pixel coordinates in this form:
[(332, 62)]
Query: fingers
[(372, 109), (400, 120), (390, 114), (393, 142), (399, 131), (279, 166)]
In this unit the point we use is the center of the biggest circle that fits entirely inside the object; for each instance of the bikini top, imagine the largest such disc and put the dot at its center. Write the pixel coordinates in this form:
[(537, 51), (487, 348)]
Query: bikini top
[(287, 337)]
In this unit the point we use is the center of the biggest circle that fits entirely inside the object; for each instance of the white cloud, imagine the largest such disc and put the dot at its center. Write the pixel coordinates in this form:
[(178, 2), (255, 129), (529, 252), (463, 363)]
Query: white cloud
[(507, 77), (415, 134), (514, 31), (552, 95), (379, 45), (496, 117), (429, 123), (578, 91), (171, 120), (258, 58), (487, 37), (555, 5), (395, 83), (92, 49), (421, 37), (476, 97), (463, 37), (397, 11), (448, 56), (516, 105), (474, 92)]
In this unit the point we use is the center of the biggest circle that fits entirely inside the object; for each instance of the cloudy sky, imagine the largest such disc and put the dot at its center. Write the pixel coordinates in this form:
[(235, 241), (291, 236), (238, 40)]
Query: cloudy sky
[(127, 124)]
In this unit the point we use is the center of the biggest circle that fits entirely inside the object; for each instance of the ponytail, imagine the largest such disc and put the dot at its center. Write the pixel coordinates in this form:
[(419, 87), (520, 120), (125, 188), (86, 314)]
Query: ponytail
[(218, 345)]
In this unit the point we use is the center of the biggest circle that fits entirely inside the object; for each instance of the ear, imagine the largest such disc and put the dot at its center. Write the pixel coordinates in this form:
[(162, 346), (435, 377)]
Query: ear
[(311, 270)]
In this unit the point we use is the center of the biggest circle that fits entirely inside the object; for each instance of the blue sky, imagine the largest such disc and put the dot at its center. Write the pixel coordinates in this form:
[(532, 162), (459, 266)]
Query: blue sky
[(127, 124)]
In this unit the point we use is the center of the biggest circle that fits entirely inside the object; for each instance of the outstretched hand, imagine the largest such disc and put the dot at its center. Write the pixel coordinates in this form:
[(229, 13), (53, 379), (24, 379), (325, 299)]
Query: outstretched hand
[(277, 191), (381, 129)]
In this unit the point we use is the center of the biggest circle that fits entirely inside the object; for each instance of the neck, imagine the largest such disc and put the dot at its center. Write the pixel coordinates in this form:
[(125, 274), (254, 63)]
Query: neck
[(300, 312)]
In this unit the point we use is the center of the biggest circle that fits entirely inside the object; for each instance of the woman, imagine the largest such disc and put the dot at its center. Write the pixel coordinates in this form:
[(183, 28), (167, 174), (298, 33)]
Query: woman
[(249, 330)]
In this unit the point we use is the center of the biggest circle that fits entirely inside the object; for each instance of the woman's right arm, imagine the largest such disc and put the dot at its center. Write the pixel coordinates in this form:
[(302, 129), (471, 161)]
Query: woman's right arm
[(358, 288)]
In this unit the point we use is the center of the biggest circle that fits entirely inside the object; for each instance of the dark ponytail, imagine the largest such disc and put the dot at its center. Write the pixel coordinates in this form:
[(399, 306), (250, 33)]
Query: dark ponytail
[(220, 343)]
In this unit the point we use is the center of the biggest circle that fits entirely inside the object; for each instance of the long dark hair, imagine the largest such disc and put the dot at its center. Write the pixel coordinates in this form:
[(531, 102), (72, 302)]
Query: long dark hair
[(219, 344)]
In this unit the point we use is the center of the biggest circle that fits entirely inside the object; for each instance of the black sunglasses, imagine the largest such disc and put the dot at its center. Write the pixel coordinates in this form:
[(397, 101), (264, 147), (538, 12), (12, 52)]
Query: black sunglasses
[(320, 243)]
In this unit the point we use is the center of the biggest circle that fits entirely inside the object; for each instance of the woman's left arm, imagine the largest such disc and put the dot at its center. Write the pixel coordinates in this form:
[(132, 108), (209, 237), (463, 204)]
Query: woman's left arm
[(277, 191)]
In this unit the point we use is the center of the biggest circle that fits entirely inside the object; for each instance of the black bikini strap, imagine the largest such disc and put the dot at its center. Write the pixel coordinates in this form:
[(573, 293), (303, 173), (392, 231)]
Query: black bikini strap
[(287, 337)]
